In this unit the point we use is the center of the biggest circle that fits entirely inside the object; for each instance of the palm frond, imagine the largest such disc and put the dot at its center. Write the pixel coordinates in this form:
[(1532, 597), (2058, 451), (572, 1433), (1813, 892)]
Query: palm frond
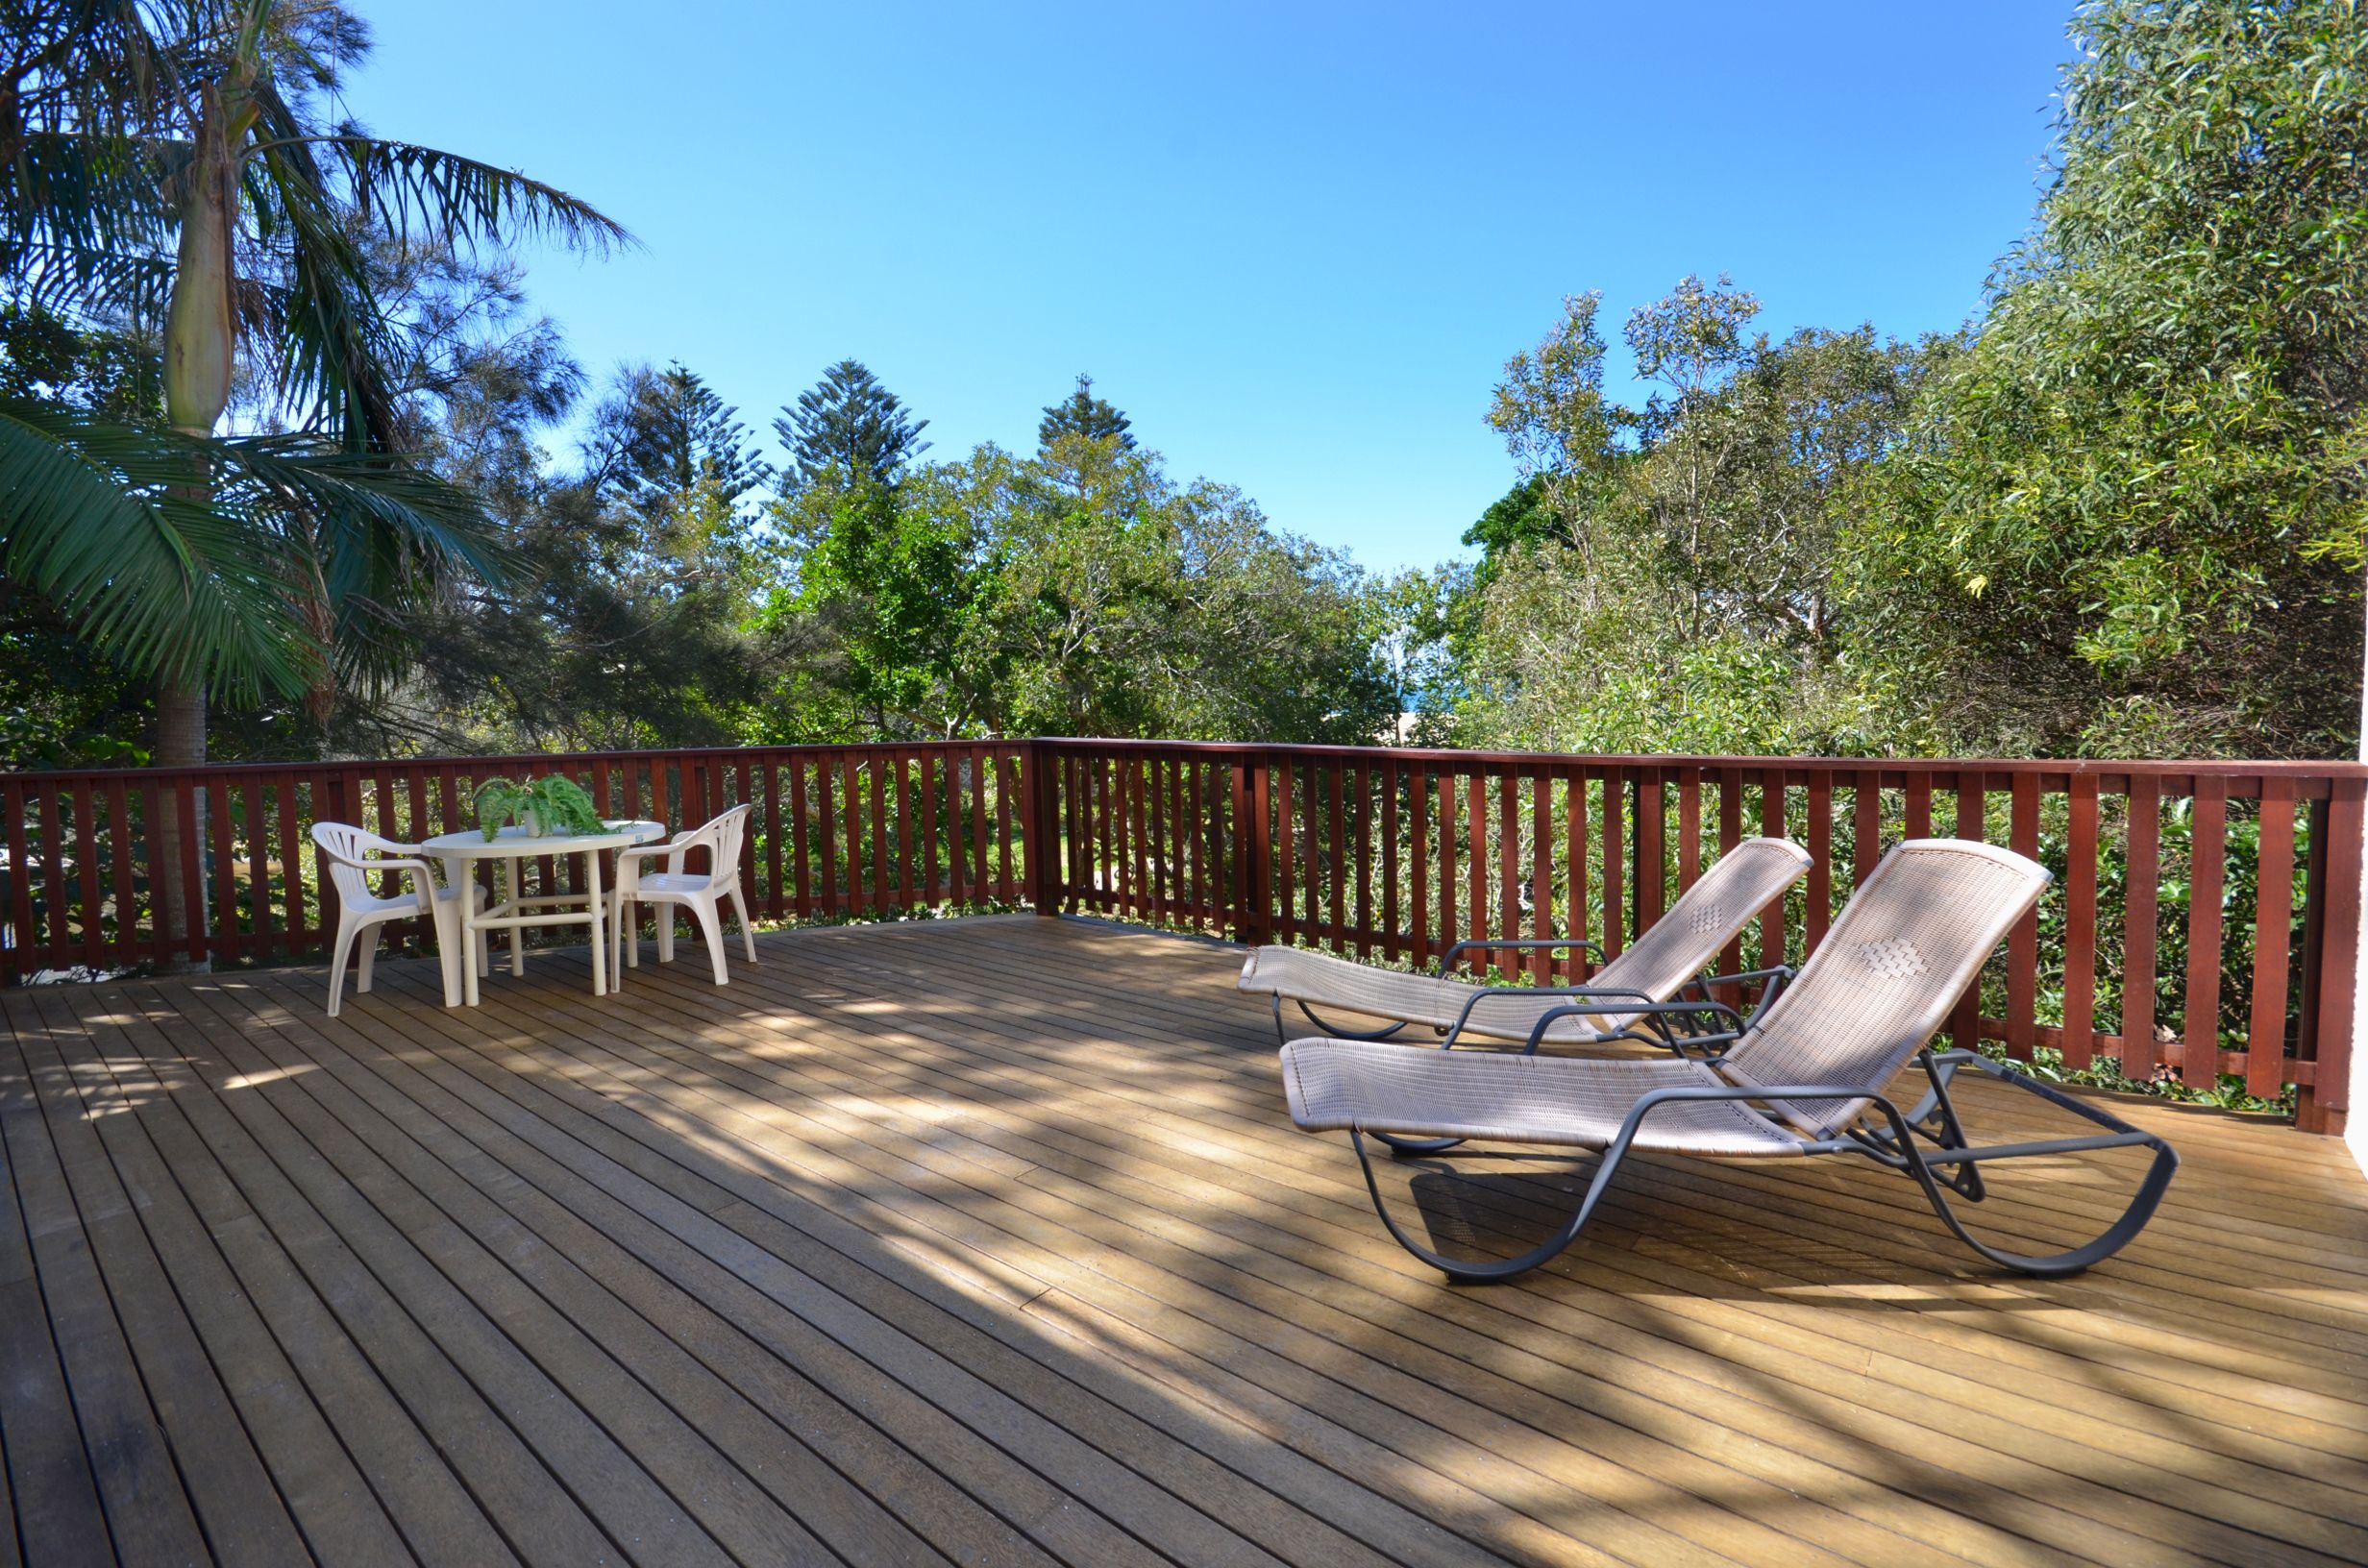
[(109, 521), (377, 519), (88, 130), (385, 537), (336, 346), (82, 215), (419, 191), (68, 280)]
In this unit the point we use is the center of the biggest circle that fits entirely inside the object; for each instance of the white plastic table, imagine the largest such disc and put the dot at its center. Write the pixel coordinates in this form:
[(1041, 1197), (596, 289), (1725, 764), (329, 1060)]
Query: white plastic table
[(513, 911)]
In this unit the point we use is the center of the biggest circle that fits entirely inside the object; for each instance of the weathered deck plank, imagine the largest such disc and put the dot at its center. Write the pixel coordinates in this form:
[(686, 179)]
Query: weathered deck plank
[(987, 1242)]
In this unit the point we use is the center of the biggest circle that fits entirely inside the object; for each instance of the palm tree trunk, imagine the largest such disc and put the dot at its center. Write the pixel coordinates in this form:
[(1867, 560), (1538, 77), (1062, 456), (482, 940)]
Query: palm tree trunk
[(179, 741), (198, 349)]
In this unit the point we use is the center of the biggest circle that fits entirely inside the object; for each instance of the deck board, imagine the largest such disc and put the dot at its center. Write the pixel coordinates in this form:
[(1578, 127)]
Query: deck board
[(987, 1242)]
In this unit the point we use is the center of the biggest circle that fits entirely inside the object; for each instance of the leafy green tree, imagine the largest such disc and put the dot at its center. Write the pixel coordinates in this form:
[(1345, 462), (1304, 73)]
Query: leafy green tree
[(2132, 516), (891, 588), (1661, 576), (1523, 515), (1078, 592), (849, 430), (1133, 606), (1418, 625), (1085, 416)]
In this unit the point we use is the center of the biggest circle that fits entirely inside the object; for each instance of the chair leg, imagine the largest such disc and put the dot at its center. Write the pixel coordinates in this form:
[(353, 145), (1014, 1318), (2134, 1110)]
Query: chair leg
[(665, 932), (747, 933), (628, 931), (616, 938), (336, 965), (710, 921), (369, 936)]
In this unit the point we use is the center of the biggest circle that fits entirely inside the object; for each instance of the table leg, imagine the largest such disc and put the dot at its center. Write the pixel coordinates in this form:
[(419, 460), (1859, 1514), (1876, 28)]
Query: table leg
[(513, 869), (600, 947), (468, 943)]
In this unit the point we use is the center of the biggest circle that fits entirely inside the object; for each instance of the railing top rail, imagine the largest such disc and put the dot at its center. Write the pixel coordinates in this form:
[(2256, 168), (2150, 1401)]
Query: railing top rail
[(2061, 768), (245, 770), (2109, 772)]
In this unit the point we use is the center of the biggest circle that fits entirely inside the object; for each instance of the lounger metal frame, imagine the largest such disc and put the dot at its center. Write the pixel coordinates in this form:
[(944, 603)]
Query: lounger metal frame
[(1446, 965), (1927, 1142)]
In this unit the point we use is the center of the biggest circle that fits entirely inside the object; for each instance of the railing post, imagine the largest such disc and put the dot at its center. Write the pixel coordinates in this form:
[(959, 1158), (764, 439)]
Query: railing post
[(1253, 854), (1649, 850), (14, 958), (2322, 1106), (1040, 789)]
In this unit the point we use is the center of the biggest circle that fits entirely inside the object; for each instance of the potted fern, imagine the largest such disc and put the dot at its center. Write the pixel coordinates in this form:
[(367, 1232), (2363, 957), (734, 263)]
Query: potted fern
[(552, 806)]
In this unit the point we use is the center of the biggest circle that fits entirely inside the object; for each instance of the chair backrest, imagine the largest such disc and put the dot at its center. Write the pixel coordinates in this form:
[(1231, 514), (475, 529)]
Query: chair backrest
[(1723, 900), (1898, 956), (723, 837), (343, 839)]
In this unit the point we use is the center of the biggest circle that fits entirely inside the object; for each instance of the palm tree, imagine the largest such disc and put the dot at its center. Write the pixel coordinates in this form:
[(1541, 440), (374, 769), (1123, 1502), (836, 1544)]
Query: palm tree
[(169, 162)]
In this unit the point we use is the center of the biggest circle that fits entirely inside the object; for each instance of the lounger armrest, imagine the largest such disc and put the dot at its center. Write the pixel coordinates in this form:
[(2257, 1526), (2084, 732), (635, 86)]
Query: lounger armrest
[(1778, 973), (1777, 976), (1446, 960), (1516, 992), (1643, 1009)]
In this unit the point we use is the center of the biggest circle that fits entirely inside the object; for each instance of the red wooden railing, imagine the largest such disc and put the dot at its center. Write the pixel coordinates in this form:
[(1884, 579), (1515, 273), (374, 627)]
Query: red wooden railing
[(2221, 897), (839, 832), (2204, 918)]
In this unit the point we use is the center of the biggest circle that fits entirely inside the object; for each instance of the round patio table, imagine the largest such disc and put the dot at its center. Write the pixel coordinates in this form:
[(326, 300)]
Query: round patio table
[(511, 911)]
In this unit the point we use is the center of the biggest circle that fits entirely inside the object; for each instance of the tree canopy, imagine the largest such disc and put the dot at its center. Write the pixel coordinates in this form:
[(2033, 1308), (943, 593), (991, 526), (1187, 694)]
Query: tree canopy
[(1085, 417), (2122, 510), (848, 430), (2121, 513), (175, 187)]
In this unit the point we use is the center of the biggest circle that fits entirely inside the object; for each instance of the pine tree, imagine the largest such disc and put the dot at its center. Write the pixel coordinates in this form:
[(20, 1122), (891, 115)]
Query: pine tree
[(1082, 414), (682, 434), (849, 427)]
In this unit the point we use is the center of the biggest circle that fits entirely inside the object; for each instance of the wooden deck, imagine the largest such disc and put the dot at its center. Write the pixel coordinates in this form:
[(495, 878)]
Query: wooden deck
[(989, 1241)]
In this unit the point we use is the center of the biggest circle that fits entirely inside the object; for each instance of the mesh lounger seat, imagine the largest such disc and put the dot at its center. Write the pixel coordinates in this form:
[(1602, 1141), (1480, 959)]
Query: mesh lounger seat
[(1807, 1076), (1679, 948)]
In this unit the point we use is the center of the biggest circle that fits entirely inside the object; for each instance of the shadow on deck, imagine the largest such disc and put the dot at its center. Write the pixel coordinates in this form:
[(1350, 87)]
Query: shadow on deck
[(988, 1240)]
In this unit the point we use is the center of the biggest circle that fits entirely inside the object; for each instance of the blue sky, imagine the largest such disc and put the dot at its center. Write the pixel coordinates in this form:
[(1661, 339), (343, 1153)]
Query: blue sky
[(1296, 243)]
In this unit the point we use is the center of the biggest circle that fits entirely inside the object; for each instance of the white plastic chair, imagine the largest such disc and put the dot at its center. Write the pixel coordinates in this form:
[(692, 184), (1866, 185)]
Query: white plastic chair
[(698, 891), (354, 857)]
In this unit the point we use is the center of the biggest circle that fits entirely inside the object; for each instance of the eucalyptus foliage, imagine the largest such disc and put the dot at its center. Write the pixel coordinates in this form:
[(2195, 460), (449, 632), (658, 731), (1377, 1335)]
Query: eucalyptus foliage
[(2131, 511), (2122, 513)]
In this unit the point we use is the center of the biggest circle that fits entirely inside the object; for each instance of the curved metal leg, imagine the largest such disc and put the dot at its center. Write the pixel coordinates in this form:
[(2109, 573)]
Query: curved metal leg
[(1937, 1186), (1332, 1030), (2115, 1236), (1336, 1032), (1467, 1272)]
